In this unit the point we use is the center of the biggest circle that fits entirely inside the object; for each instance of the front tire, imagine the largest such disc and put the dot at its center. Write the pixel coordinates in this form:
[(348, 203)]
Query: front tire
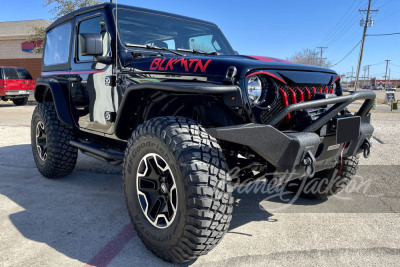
[(20, 101), (53, 155), (327, 182), (189, 165)]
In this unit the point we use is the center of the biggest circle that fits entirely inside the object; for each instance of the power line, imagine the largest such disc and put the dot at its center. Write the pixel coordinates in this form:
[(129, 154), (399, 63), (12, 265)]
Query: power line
[(342, 32), (342, 22), (384, 34), (347, 54), (384, 4)]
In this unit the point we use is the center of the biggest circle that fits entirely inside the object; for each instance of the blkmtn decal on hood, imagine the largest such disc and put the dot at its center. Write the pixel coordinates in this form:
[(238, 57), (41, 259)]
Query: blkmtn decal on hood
[(189, 65), (217, 65)]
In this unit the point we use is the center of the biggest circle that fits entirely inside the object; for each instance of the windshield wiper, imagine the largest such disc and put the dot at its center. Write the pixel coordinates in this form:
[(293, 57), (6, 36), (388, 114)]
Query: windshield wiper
[(153, 47), (197, 51)]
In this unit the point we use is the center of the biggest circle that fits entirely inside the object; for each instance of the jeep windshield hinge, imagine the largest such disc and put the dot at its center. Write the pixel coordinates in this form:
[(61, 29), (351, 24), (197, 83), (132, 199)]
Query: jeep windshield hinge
[(230, 75)]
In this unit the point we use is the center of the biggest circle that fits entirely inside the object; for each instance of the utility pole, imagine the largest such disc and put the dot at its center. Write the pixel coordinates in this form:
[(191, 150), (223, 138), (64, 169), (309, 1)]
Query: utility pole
[(387, 66), (351, 80), (322, 51), (368, 22)]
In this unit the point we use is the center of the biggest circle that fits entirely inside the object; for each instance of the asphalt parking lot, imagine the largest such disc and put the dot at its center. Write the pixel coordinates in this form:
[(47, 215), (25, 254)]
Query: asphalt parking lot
[(81, 220)]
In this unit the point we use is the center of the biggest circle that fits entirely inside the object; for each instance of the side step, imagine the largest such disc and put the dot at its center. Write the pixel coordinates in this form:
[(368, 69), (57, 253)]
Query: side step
[(109, 155)]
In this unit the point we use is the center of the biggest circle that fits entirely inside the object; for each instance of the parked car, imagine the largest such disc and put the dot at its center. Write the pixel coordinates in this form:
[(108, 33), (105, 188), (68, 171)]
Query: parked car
[(15, 85), (377, 87)]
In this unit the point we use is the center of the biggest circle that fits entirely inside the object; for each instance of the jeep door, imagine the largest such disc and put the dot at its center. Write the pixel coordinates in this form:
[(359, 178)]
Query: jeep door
[(91, 92)]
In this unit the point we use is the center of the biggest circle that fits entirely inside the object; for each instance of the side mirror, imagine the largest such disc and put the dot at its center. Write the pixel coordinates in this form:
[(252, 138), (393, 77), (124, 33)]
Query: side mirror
[(235, 52), (91, 44)]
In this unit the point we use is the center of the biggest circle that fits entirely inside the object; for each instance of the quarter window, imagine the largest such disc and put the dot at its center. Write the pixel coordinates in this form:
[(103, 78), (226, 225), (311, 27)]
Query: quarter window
[(24, 74), (11, 74), (58, 40)]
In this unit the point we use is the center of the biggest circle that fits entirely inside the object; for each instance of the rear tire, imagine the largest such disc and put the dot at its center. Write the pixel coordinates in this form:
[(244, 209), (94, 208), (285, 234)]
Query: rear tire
[(202, 195), (20, 101), (327, 182), (53, 155)]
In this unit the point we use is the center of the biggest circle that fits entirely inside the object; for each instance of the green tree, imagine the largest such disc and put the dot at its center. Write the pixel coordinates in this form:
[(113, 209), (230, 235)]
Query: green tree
[(59, 9)]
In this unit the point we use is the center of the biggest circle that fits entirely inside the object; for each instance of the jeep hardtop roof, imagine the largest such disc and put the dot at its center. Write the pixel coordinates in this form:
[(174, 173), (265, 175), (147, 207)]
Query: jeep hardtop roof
[(110, 6)]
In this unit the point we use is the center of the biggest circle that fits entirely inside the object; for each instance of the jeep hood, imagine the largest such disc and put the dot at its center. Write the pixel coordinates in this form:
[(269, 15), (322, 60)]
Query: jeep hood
[(216, 66)]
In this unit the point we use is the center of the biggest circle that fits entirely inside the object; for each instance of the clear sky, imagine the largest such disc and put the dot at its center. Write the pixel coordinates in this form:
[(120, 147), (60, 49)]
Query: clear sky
[(278, 28)]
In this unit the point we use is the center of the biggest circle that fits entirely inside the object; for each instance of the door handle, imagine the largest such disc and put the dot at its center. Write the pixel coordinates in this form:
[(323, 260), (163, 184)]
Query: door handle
[(75, 79)]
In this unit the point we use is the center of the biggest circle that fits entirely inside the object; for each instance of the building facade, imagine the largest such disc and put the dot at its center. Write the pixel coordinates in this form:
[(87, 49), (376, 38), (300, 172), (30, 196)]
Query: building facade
[(15, 50)]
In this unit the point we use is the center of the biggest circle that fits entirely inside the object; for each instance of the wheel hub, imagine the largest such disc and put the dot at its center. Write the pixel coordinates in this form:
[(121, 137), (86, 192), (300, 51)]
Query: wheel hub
[(157, 192), (41, 141)]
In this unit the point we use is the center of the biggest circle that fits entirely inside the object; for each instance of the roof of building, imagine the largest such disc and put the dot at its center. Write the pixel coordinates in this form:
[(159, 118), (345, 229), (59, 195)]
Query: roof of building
[(21, 28)]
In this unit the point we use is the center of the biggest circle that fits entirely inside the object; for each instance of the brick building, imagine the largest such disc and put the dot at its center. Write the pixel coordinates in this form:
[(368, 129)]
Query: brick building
[(15, 51)]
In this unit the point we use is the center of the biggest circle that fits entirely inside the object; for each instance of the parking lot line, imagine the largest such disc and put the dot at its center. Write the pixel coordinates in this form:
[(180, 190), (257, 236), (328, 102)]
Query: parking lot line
[(113, 248)]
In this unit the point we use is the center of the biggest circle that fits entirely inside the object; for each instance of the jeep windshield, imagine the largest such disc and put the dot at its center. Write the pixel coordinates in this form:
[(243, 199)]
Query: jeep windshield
[(149, 29)]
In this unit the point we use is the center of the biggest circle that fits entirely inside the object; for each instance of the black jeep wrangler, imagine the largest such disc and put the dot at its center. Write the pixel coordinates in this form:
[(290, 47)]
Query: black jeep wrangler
[(168, 97)]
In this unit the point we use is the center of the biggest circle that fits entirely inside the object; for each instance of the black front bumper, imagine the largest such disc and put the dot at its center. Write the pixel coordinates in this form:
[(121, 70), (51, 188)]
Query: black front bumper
[(288, 150)]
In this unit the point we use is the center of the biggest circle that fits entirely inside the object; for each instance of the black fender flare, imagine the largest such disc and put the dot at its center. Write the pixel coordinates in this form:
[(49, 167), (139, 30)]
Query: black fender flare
[(231, 93), (60, 99)]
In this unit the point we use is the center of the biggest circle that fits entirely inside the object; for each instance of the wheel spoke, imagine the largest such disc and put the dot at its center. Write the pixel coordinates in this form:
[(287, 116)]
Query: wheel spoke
[(155, 208), (41, 141), (147, 185)]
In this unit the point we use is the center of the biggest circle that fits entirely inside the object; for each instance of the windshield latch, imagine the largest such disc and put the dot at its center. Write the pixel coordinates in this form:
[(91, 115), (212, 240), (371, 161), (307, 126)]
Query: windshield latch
[(230, 75)]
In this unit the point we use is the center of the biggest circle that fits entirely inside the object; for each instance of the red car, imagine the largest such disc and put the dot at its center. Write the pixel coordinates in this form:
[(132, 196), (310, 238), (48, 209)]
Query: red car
[(15, 85)]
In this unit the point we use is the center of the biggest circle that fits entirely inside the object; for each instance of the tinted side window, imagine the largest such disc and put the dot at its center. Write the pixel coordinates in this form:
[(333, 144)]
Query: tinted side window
[(1, 74), (58, 40), (93, 25), (11, 74), (24, 74)]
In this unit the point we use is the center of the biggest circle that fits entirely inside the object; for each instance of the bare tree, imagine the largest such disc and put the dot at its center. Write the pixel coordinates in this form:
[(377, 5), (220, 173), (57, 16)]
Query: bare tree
[(59, 9), (62, 7), (309, 57)]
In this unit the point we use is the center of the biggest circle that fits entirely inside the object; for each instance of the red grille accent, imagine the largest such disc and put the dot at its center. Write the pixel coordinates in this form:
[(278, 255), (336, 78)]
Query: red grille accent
[(293, 95), (285, 101), (308, 93), (300, 93)]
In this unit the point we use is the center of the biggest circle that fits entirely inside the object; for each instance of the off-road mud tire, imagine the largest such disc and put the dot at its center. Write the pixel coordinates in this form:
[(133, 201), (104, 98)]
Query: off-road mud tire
[(204, 189), (61, 156)]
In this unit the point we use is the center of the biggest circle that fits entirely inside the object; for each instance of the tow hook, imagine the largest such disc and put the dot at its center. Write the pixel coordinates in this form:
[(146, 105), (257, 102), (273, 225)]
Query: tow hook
[(366, 146), (309, 162)]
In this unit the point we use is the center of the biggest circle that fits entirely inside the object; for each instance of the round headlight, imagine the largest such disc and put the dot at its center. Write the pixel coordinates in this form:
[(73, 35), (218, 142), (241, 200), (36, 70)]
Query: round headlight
[(254, 89)]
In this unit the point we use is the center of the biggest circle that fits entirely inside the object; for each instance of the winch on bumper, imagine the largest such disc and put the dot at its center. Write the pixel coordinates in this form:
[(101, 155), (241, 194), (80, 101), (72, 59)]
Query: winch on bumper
[(315, 148)]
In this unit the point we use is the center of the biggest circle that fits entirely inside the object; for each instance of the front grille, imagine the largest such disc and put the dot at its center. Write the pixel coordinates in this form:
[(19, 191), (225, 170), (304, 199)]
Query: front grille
[(294, 94)]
